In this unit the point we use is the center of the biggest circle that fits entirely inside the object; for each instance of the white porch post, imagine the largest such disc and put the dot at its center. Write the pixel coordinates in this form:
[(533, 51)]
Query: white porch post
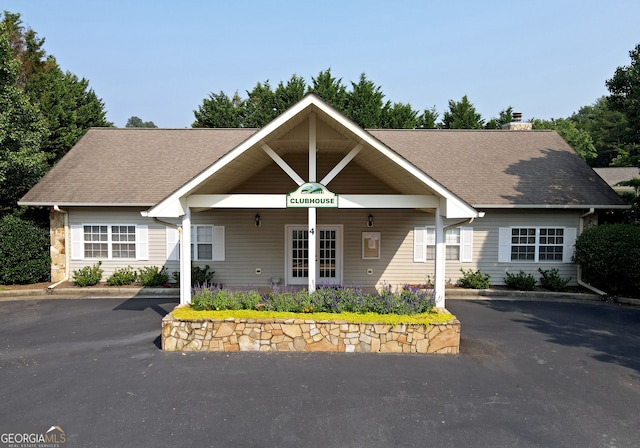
[(312, 210), (440, 259), (185, 259), (312, 249)]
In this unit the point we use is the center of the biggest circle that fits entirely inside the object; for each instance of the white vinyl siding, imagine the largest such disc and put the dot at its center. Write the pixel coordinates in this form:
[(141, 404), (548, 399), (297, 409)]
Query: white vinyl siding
[(459, 244), (536, 244), (92, 241)]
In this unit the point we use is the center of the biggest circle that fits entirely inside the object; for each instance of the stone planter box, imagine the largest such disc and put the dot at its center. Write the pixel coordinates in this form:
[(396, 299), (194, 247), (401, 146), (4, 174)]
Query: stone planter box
[(307, 335)]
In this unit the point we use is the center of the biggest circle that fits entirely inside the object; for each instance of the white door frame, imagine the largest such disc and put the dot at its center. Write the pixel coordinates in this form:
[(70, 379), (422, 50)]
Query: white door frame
[(301, 281)]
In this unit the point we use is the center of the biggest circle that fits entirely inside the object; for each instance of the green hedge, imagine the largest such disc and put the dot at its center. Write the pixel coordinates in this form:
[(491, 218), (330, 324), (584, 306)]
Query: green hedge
[(610, 257), (24, 252)]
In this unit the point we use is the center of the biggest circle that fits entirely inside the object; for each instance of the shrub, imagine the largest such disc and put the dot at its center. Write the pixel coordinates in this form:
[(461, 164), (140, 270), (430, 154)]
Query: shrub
[(200, 276), (474, 280), (551, 280), (152, 276), (325, 299), (520, 281), (610, 257), (122, 276), (24, 251), (88, 275)]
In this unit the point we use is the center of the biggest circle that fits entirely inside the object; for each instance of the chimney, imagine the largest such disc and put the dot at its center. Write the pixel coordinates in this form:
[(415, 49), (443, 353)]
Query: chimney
[(517, 124)]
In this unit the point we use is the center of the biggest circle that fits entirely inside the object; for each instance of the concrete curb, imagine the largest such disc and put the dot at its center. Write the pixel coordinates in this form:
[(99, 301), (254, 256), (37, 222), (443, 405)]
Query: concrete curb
[(502, 294), (88, 293)]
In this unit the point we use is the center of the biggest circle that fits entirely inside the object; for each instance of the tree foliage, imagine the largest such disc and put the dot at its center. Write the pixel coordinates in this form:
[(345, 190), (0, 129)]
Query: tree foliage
[(462, 115), (44, 111), (136, 122), (22, 131), (624, 88), (579, 139)]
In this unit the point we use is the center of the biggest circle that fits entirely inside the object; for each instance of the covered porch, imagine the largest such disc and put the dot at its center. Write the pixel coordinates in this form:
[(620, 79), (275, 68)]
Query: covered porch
[(311, 161)]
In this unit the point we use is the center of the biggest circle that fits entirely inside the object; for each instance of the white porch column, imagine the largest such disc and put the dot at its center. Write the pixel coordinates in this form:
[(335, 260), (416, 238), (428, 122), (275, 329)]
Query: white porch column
[(312, 210), (312, 249), (440, 260), (185, 259)]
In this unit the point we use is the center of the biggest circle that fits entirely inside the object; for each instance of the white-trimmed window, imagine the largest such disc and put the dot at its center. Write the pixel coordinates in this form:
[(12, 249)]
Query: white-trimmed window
[(109, 241), (536, 244), (459, 244), (207, 243)]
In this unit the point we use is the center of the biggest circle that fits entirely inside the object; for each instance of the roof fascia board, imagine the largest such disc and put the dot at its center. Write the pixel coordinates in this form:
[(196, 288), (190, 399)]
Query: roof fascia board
[(85, 204), (552, 206)]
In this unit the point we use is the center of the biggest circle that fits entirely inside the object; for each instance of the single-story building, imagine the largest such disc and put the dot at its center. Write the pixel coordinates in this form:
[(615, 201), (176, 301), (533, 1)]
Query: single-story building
[(613, 175), (313, 199)]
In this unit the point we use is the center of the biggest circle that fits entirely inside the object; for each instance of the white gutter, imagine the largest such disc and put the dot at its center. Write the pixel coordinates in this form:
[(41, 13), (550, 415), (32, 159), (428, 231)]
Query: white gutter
[(579, 279), (67, 251)]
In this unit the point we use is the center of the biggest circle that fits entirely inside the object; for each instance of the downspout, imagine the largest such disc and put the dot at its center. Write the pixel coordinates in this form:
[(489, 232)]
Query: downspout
[(579, 279), (67, 251)]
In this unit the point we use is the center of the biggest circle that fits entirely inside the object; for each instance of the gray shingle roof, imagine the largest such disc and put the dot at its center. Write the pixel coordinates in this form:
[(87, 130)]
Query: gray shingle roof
[(503, 168), (132, 166)]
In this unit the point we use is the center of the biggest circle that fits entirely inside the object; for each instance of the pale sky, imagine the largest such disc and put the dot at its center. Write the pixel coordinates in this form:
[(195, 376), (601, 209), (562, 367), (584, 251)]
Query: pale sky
[(159, 59)]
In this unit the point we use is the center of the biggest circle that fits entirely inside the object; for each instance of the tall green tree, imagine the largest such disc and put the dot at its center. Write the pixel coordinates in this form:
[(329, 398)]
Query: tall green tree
[(260, 106), (364, 103), (330, 89), (220, 111), (398, 116), (69, 106), (428, 119), (22, 131), (579, 139), (136, 122), (624, 89), (462, 115), (608, 129), (505, 116), (286, 95)]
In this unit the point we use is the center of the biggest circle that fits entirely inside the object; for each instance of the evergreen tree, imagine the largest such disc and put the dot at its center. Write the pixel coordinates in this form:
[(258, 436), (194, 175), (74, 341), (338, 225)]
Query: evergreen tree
[(462, 115)]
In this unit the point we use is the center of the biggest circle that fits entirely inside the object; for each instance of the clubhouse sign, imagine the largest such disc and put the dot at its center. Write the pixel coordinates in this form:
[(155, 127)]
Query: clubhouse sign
[(312, 195)]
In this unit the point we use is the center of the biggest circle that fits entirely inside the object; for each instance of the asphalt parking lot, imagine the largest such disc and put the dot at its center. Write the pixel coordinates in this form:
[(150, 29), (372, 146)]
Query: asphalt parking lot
[(530, 374)]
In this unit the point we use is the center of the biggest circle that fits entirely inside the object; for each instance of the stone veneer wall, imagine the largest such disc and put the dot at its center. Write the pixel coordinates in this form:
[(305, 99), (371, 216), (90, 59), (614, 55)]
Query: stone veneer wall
[(304, 335), (57, 249)]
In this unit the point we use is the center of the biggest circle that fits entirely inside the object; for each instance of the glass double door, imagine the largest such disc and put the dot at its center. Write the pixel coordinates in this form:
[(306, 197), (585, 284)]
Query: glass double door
[(328, 255)]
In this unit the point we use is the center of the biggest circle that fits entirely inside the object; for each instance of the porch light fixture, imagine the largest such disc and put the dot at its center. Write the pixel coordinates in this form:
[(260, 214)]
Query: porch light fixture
[(258, 222), (370, 220)]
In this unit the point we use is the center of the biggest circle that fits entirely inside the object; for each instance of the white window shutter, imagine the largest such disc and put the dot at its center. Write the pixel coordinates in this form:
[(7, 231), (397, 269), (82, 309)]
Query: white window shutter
[(570, 234), (218, 243), (142, 242), (466, 244), (504, 245), (173, 244), (77, 242), (419, 248)]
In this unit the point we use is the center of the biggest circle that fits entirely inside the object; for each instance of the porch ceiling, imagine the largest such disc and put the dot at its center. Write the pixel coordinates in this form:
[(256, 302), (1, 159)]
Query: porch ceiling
[(293, 138)]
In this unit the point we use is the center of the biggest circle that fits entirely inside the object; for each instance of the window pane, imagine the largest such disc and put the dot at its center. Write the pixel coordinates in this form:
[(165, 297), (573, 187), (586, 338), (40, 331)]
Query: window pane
[(204, 234), (431, 252), (205, 251), (123, 250), (96, 250), (453, 236), (453, 253)]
